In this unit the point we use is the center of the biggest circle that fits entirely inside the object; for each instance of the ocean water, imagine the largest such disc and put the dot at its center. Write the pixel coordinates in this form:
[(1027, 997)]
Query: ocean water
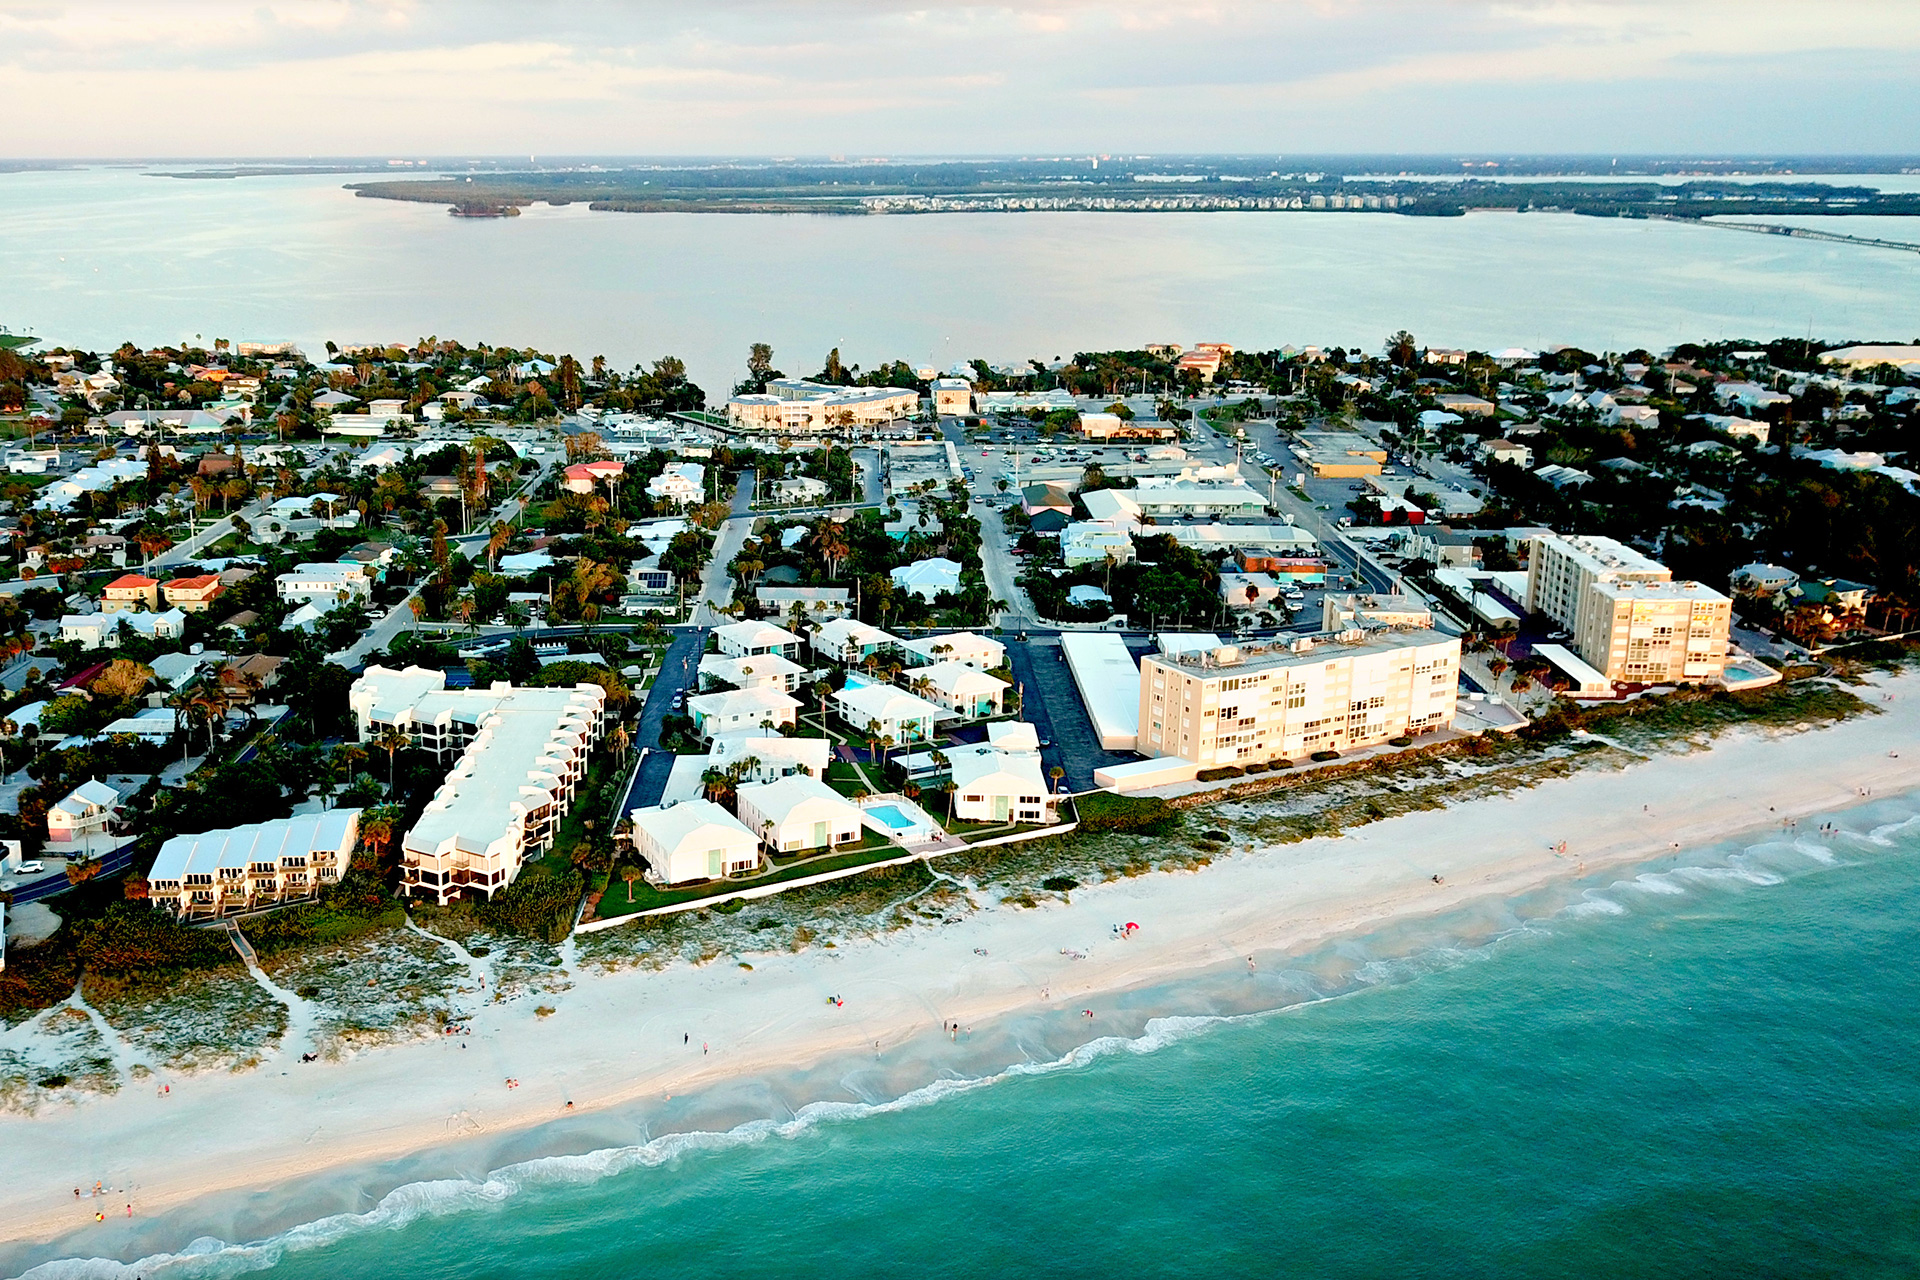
[(1704, 1066), (98, 256)]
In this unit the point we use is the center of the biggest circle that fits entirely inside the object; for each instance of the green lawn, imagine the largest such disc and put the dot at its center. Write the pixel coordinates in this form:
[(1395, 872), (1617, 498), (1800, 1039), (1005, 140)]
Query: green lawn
[(613, 903)]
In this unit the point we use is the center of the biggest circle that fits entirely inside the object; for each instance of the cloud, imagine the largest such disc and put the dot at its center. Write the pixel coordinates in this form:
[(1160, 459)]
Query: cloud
[(119, 77)]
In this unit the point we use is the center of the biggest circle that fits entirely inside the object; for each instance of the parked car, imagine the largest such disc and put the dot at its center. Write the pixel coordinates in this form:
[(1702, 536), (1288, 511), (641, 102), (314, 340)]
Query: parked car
[(32, 868)]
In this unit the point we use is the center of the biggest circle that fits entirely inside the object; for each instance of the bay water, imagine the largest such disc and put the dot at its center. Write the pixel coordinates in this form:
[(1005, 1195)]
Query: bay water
[(97, 256), (1703, 1066)]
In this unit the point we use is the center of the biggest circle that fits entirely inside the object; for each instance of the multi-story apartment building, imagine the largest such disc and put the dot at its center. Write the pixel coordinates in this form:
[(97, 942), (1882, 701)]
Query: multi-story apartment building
[(794, 405), (1246, 704), (246, 868), (1628, 618), (517, 756)]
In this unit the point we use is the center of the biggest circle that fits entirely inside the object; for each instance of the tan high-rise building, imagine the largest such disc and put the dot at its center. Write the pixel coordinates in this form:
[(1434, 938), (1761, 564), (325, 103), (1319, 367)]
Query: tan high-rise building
[(1628, 618), (1288, 699)]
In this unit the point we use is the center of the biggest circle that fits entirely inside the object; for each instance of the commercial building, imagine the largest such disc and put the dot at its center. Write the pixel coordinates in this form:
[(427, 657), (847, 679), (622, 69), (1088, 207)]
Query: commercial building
[(794, 406), (1163, 496), (1628, 618), (245, 868), (518, 756), (1291, 698), (1341, 455)]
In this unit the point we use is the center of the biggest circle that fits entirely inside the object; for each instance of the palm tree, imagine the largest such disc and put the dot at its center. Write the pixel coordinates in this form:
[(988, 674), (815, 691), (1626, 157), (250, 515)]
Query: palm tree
[(496, 542), (630, 873), (376, 828), (350, 754), (1056, 773), (391, 739)]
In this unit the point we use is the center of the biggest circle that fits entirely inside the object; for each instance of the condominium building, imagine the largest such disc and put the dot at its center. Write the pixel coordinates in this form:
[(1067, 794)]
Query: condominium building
[(1628, 618), (1332, 692), (517, 757), (246, 868)]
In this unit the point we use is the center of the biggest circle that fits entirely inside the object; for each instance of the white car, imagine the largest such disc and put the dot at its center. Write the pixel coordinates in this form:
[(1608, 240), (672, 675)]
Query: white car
[(32, 868)]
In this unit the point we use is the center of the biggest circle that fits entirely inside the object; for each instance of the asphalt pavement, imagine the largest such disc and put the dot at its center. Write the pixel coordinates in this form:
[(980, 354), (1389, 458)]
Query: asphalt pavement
[(1050, 702), (679, 670)]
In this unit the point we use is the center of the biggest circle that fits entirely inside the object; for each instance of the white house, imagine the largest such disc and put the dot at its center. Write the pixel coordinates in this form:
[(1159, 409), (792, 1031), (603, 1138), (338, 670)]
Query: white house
[(326, 584), (738, 709), (763, 669), (1506, 451), (86, 811), (817, 603), (692, 840), (798, 813), (684, 482), (959, 687), (1088, 543), (979, 652), (849, 641), (799, 489), (895, 713), (102, 630), (928, 578), (995, 785), (767, 756), (746, 639)]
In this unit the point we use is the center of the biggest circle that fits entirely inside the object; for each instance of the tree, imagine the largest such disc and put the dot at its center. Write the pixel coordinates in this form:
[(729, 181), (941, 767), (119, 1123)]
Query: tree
[(630, 873), (1402, 349), (122, 680), (391, 739)]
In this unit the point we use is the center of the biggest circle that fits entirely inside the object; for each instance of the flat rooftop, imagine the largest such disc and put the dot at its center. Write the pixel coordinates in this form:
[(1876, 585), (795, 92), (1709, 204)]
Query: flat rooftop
[(1604, 555), (1300, 651)]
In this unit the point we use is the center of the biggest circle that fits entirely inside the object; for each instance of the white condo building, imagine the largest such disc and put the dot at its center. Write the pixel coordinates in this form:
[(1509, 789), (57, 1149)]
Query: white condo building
[(517, 757), (246, 868), (797, 407), (1246, 704), (1629, 619)]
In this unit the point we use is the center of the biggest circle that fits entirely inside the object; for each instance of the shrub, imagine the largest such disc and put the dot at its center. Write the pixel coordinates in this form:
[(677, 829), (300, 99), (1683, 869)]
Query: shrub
[(1326, 755), (1399, 742), (1258, 766), (1104, 811), (1059, 884), (539, 904), (1224, 771)]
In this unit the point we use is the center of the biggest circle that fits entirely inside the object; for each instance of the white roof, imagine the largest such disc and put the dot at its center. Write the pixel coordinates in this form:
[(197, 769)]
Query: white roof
[(986, 769), (1585, 675), (769, 747), (1111, 506), (936, 572), (736, 670), (957, 678), (956, 643), (781, 798), (1187, 641), (884, 702), (209, 851), (1013, 735), (734, 702), (1109, 684), (753, 635), (700, 822), (842, 631), (94, 794)]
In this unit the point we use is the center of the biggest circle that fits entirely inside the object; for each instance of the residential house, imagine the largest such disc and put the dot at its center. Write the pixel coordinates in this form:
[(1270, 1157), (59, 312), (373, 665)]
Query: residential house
[(1507, 451), (1759, 579), (928, 579), (129, 593), (795, 814), (692, 840), (970, 692), (592, 477), (1035, 498), (195, 594), (1454, 402), (762, 669), (995, 784), (815, 603), (982, 653), (88, 810), (1089, 543), (799, 489), (325, 584), (680, 482), (244, 679), (736, 710), (746, 639), (762, 756), (889, 712), (102, 630), (849, 641), (1836, 600)]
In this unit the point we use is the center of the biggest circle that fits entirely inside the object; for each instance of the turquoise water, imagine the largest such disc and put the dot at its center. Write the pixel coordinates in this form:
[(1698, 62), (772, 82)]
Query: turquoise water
[(892, 816), (1702, 1068)]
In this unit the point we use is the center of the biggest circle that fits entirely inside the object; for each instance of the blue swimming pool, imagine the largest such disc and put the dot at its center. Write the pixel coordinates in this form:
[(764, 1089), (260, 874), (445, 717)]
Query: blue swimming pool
[(891, 815)]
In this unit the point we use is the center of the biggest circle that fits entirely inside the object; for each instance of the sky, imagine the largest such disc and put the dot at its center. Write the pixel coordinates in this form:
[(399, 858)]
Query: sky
[(143, 78)]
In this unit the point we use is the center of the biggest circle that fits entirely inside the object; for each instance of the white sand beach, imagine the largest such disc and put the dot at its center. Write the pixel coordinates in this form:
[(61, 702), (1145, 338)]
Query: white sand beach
[(641, 1034)]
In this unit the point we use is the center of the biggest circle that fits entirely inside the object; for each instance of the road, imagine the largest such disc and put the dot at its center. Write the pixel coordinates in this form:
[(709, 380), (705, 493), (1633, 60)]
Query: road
[(679, 668), (716, 584), (1001, 570)]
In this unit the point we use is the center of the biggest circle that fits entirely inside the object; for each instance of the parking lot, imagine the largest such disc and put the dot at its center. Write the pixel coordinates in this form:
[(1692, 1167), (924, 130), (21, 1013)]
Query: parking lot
[(1051, 703)]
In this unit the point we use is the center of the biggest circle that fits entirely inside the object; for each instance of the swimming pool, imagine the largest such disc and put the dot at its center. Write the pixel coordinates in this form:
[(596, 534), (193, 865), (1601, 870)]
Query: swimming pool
[(891, 815)]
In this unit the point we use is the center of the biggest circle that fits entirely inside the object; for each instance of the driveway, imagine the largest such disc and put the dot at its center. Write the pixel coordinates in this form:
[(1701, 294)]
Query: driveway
[(678, 670)]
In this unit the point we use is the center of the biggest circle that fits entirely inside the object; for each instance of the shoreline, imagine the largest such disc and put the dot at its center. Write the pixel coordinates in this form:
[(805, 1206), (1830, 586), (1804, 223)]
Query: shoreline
[(609, 1043)]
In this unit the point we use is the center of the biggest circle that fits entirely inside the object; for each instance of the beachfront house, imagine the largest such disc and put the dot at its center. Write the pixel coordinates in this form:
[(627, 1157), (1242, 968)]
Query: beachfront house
[(955, 685), (994, 785), (692, 840), (798, 813), (746, 639), (246, 868), (736, 710), (928, 578), (889, 712), (87, 810), (762, 756)]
